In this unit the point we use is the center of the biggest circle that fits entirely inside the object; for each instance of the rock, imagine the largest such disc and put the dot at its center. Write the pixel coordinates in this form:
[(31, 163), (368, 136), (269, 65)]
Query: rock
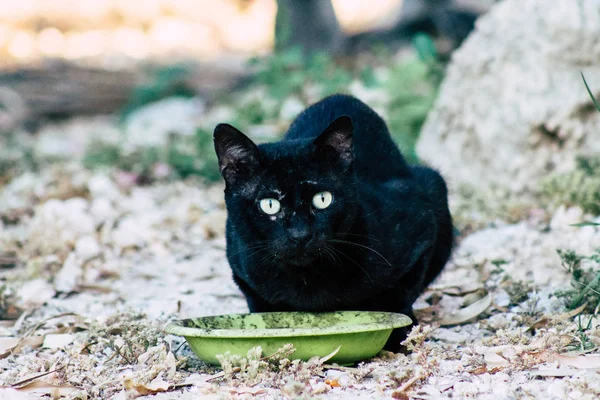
[(101, 185), (102, 210), (36, 292), (151, 125), (69, 276), (513, 106), (58, 224), (87, 247), (132, 232)]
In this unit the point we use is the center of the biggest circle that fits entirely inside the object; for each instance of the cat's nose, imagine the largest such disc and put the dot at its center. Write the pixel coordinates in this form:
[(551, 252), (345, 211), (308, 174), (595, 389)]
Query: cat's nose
[(300, 236)]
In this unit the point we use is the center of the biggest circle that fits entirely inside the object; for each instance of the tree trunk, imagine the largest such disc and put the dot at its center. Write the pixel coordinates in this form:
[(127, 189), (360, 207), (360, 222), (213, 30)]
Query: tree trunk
[(309, 24)]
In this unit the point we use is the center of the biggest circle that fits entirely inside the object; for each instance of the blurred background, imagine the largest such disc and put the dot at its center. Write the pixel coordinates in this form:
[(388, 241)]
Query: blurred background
[(162, 73)]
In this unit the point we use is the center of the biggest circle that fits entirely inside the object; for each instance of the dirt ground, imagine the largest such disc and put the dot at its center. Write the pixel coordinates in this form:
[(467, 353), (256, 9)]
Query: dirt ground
[(94, 266)]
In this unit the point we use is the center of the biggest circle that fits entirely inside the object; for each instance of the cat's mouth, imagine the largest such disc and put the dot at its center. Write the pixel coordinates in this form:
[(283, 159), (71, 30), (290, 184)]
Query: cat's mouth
[(301, 259)]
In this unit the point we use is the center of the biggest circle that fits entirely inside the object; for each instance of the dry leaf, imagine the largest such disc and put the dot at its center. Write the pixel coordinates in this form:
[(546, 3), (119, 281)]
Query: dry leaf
[(14, 394), (554, 372), (332, 382), (46, 388), (329, 356), (247, 390), (468, 313), (53, 341), (540, 323), (590, 361), (498, 356), (10, 345), (7, 344), (157, 385)]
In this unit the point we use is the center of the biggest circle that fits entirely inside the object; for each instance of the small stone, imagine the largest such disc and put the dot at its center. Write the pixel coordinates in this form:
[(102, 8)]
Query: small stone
[(501, 298), (102, 210), (87, 247), (101, 185)]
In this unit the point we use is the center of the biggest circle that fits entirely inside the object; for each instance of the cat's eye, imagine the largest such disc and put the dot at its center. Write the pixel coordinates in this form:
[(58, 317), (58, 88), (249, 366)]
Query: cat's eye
[(322, 200), (270, 206)]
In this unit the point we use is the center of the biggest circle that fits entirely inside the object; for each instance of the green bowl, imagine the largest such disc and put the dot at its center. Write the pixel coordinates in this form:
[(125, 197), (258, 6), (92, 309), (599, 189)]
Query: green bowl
[(359, 334)]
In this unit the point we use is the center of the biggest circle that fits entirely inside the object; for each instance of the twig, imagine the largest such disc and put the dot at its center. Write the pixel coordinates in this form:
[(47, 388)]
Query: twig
[(339, 367), (222, 374), (407, 385), (33, 378)]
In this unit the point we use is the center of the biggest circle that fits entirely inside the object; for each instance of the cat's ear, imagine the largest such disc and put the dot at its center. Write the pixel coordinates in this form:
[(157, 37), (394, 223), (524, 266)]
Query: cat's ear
[(336, 140), (237, 154)]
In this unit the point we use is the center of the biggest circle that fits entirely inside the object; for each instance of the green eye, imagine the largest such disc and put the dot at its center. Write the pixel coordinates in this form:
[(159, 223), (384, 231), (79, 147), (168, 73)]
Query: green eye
[(270, 206), (322, 200)]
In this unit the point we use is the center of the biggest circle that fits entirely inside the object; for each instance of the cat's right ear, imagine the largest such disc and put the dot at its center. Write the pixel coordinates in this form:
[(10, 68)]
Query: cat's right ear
[(237, 154)]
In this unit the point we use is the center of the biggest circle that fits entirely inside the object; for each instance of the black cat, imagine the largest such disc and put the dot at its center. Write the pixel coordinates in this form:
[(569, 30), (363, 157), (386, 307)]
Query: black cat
[(332, 217)]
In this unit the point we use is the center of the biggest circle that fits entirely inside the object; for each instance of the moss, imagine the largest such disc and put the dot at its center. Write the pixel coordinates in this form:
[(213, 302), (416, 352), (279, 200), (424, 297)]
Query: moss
[(579, 187), (585, 281)]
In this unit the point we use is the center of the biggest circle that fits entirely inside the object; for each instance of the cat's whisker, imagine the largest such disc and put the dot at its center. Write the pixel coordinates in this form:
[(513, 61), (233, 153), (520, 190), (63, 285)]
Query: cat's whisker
[(258, 244), (331, 254), (357, 235), (361, 246), (354, 261)]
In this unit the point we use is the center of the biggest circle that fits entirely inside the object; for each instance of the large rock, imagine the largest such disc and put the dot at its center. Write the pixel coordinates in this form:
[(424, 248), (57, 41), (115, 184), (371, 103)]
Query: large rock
[(513, 107)]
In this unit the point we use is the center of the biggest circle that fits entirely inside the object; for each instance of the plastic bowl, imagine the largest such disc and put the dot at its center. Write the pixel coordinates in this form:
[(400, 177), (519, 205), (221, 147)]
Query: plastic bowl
[(359, 334)]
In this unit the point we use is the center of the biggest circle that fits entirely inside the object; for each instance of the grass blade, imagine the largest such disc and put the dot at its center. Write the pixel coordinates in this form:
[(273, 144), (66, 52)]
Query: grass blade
[(590, 93), (586, 223)]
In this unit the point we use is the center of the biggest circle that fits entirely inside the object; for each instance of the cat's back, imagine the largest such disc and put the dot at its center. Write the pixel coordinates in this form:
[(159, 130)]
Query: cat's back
[(376, 155)]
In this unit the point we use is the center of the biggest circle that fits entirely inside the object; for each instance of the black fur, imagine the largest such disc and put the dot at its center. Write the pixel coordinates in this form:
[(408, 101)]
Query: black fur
[(386, 235)]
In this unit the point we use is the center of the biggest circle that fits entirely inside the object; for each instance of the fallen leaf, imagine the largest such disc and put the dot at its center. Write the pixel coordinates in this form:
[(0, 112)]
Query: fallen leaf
[(14, 394), (467, 313), (540, 323), (332, 382), (400, 393), (554, 372), (157, 385), (329, 356), (247, 390), (590, 361), (498, 356), (10, 345), (53, 341), (46, 388)]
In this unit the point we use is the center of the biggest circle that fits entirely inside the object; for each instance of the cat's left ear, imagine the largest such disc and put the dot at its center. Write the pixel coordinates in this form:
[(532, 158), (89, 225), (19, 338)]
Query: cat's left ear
[(336, 140), (237, 154)]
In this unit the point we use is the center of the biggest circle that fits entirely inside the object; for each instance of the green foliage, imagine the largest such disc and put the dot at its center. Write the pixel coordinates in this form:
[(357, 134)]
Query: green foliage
[(290, 72), (166, 82), (585, 282), (184, 155), (408, 89), (579, 187), (412, 93), (403, 91)]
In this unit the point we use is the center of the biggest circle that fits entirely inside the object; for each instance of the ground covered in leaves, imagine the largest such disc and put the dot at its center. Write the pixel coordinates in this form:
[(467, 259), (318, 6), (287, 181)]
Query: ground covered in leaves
[(101, 246), (94, 265)]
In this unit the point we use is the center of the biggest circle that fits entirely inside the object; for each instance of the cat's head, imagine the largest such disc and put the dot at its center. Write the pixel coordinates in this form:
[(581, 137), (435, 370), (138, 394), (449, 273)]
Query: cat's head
[(289, 198)]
